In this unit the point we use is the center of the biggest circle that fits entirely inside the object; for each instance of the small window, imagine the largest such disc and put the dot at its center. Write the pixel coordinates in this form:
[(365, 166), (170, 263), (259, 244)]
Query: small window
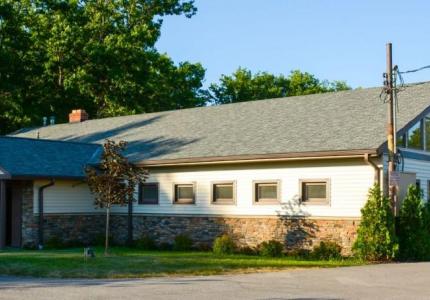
[(401, 141), (266, 192), (315, 191), (148, 193), (415, 140), (428, 190), (418, 184), (184, 193), (223, 193), (427, 130)]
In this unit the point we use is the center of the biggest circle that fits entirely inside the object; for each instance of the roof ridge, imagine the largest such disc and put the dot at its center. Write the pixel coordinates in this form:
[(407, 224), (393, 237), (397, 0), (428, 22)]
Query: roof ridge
[(47, 140)]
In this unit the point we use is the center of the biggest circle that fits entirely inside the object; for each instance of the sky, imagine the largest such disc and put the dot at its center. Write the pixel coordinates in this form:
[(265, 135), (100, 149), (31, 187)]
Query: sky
[(334, 40)]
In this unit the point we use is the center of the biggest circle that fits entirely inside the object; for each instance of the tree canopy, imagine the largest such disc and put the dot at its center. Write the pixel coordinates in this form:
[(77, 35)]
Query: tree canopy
[(100, 55), (56, 55), (243, 85)]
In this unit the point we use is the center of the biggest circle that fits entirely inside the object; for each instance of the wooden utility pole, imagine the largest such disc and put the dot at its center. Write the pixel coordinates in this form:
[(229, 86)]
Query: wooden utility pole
[(390, 126)]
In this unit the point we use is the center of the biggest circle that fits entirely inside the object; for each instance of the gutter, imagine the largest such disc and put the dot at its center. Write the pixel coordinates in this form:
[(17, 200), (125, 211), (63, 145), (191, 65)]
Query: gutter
[(41, 189), (259, 158), (377, 169)]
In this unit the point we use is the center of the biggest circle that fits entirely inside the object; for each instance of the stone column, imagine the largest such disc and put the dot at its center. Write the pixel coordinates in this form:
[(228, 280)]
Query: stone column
[(2, 214)]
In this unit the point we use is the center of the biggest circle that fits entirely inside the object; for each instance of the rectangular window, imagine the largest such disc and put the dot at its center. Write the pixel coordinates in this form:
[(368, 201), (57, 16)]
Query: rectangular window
[(418, 184), (427, 130), (184, 194), (415, 140), (148, 193), (223, 193), (428, 190), (315, 191), (401, 141), (266, 192)]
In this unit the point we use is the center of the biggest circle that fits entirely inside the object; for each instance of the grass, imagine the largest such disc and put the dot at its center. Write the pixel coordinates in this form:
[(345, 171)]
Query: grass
[(134, 263)]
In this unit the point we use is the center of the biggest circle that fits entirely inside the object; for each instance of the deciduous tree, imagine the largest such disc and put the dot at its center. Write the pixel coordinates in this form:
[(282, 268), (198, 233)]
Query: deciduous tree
[(114, 180)]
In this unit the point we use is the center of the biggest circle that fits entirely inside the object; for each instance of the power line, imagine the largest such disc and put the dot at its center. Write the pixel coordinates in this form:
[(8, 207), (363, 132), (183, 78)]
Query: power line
[(415, 70)]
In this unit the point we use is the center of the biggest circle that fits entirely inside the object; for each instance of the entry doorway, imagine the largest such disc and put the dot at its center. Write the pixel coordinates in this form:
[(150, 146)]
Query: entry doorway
[(13, 214)]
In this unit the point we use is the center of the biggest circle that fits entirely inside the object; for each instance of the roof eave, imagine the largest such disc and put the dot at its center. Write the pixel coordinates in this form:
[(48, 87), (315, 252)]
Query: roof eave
[(336, 154)]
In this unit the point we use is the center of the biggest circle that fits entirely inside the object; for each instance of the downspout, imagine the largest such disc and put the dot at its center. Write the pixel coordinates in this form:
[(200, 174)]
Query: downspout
[(41, 189), (377, 169)]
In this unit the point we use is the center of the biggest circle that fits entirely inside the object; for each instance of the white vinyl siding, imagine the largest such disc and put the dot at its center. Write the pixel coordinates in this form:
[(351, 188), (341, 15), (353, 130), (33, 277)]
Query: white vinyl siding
[(349, 180), (422, 170)]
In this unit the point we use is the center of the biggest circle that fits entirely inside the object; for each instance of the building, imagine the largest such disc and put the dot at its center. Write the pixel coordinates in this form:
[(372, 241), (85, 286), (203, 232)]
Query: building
[(294, 169)]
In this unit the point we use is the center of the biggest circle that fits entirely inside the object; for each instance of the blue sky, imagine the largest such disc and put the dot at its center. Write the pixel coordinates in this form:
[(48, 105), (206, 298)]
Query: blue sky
[(335, 40)]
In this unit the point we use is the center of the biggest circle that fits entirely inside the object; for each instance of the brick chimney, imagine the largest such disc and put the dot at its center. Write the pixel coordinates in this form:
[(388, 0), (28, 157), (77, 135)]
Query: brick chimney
[(78, 115)]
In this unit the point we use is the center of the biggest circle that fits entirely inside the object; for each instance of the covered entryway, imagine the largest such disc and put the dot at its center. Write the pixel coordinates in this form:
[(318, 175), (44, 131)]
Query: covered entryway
[(10, 213)]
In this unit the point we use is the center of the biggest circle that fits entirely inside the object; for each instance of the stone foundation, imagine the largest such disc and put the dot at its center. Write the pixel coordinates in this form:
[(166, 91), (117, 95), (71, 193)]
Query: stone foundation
[(295, 233)]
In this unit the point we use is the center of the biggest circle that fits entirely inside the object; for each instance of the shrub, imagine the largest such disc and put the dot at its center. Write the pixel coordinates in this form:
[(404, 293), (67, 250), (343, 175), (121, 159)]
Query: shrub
[(300, 253), (271, 248), (146, 243), (165, 246), (223, 245), (247, 251), (54, 242), (327, 250), (376, 238), (414, 236), (182, 243)]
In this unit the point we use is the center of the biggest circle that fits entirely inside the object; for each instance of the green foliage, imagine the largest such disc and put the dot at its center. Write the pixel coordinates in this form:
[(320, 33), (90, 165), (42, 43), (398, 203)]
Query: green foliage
[(182, 243), (414, 236), (271, 248), (146, 243), (224, 245), (114, 180), (376, 238), (242, 85), (54, 242), (247, 251), (327, 250), (96, 55)]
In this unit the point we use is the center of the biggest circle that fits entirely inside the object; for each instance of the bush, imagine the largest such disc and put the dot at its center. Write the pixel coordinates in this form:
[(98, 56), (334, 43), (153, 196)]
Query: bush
[(271, 248), (376, 238), (54, 242), (327, 251), (146, 243), (414, 236), (182, 243), (165, 246), (247, 251), (223, 245), (300, 253)]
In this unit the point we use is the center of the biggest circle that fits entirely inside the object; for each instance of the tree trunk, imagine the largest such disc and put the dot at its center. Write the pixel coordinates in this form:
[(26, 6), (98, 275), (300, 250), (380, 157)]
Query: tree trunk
[(107, 231)]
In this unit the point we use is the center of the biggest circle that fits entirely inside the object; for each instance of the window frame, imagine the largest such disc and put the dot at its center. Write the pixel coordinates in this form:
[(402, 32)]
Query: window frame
[(428, 190), (315, 201), (225, 182), (140, 190), (276, 201), (175, 202)]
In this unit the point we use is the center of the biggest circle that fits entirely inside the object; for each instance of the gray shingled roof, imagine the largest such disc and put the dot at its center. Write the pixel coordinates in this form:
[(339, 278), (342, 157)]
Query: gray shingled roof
[(22, 157), (345, 120)]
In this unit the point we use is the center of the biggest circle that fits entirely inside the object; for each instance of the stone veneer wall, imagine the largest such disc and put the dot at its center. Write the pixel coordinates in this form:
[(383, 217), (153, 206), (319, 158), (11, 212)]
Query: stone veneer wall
[(247, 231), (295, 233), (29, 225)]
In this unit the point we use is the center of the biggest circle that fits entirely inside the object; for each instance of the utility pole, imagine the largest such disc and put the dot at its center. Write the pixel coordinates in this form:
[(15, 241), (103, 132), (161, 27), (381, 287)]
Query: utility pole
[(390, 127)]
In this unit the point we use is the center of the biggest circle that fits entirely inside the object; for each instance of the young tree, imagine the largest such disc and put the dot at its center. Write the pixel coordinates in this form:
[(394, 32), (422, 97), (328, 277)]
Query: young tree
[(114, 180), (376, 238), (414, 236)]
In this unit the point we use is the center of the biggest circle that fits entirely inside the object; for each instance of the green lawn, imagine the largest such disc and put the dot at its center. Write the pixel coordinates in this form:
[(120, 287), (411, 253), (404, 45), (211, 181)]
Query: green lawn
[(133, 263)]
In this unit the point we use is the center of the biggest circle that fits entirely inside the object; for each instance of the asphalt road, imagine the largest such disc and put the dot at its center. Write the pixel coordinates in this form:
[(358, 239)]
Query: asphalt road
[(393, 281)]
